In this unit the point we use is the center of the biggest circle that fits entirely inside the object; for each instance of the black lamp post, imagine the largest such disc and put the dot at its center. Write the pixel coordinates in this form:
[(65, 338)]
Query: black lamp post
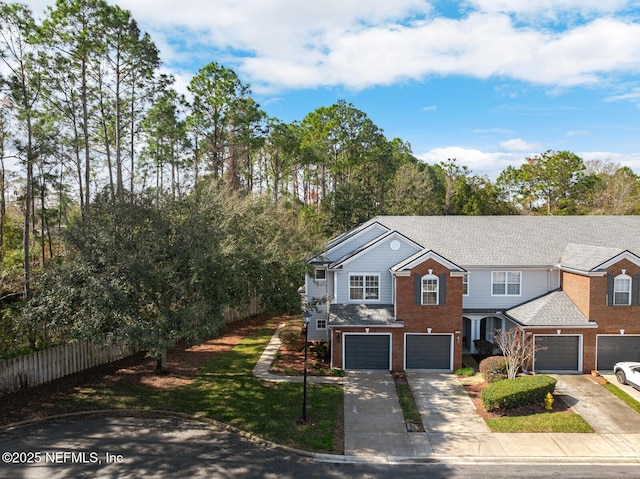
[(307, 317)]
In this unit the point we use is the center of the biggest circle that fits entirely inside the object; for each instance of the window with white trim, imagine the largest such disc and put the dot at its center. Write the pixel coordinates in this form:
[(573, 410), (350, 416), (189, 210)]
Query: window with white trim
[(622, 290), (321, 324), (364, 287), (430, 289), (465, 284), (505, 283), (321, 274)]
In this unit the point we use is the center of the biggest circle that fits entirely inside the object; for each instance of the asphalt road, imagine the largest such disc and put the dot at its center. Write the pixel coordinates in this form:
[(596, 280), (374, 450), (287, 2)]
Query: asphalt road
[(125, 447)]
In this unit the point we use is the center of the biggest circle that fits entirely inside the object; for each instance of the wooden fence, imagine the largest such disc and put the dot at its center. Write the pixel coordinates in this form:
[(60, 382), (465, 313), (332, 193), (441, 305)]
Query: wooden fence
[(53, 363)]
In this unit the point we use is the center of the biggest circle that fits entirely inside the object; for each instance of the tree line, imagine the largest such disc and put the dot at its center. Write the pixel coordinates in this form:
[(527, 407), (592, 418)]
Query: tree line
[(89, 125)]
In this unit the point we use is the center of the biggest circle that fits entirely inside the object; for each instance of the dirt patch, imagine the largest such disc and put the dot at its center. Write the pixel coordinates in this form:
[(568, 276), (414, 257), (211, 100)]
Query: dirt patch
[(474, 390), (290, 361), (183, 363)]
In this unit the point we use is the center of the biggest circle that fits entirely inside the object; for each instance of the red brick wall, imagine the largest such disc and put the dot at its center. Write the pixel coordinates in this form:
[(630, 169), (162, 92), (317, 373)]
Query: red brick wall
[(611, 319), (590, 295), (578, 288), (445, 318)]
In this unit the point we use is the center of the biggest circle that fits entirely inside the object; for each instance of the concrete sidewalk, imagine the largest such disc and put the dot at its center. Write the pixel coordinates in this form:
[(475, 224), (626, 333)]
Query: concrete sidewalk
[(374, 429)]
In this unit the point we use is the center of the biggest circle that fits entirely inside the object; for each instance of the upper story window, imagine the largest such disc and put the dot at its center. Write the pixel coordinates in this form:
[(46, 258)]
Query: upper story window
[(321, 274), (622, 290), (321, 324), (505, 283), (430, 289), (364, 287), (465, 284)]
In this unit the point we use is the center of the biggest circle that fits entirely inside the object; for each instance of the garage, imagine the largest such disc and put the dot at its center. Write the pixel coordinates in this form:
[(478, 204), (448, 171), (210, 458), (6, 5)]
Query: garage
[(557, 353), (428, 351), (614, 348), (367, 351)]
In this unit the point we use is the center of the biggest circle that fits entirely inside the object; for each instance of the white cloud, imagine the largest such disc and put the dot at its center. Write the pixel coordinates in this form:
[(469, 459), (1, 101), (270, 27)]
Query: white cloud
[(548, 8), (479, 162), (578, 133), (491, 164), (356, 44), (430, 108), (518, 144)]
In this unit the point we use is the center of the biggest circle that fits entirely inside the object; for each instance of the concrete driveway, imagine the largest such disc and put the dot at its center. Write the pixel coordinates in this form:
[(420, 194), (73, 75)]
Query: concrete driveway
[(602, 410), (374, 428)]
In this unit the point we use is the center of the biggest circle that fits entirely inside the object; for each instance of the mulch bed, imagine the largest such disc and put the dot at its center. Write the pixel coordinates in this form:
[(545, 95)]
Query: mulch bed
[(474, 390), (183, 363), (291, 361)]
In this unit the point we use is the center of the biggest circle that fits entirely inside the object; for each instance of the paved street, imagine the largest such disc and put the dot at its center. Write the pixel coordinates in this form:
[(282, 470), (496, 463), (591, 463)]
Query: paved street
[(174, 448)]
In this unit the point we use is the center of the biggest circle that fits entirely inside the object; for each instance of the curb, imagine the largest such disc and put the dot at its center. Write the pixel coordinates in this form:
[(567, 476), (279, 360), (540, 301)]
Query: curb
[(332, 458)]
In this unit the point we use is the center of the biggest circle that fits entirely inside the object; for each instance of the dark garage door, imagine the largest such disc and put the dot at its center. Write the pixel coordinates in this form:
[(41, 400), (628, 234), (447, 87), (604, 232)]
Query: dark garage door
[(428, 351), (367, 351), (558, 353), (612, 349)]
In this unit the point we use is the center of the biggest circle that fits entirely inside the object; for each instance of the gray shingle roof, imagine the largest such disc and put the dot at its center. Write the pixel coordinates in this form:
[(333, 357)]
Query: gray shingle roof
[(361, 315), (514, 240), (586, 257), (554, 309)]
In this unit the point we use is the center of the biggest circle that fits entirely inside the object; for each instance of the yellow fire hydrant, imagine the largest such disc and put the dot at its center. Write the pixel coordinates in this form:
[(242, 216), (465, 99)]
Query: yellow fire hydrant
[(548, 402)]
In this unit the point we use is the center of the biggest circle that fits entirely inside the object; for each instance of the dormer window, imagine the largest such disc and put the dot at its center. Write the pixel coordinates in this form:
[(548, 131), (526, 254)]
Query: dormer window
[(622, 290)]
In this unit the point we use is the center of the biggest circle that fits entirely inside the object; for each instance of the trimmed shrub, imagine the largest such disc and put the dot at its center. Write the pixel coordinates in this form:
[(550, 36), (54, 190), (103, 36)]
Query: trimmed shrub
[(493, 367), (510, 393), (465, 372)]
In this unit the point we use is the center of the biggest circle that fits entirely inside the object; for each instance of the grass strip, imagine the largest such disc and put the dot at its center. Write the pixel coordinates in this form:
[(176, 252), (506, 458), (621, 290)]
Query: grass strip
[(226, 390), (545, 422), (626, 398), (408, 404)]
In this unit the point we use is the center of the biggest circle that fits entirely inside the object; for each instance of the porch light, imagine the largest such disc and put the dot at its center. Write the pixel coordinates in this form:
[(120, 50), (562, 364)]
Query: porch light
[(622, 331), (558, 331), (428, 330)]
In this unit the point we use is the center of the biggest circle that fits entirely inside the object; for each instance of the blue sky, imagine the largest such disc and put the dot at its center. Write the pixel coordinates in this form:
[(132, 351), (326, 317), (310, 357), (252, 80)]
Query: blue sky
[(488, 82)]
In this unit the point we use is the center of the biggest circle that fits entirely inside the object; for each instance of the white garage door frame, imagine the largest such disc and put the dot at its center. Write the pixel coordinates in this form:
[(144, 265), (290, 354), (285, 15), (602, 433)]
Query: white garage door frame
[(451, 351), (598, 336), (580, 351), (344, 347)]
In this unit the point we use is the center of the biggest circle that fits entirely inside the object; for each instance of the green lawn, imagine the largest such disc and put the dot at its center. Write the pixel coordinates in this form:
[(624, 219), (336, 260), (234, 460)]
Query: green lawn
[(227, 391), (545, 422), (616, 391)]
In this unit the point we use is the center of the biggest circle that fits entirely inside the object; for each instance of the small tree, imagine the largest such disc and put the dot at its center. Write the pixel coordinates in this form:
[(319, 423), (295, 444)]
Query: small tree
[(515, 348)]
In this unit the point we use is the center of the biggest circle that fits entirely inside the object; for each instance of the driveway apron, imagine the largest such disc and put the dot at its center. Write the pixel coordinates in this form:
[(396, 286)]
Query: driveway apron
[(444, 404), (373, 420), (604, 412)]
